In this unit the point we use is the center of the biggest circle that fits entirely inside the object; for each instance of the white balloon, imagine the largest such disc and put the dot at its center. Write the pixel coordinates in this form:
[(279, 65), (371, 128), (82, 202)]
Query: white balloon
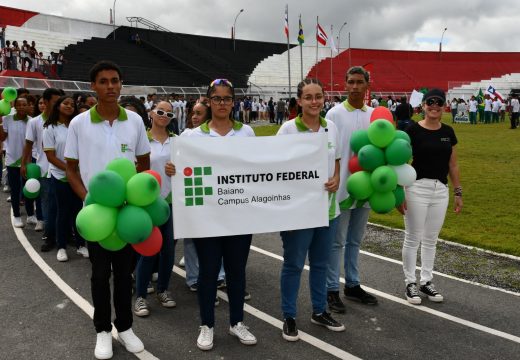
[(406, 174), (32, 186)]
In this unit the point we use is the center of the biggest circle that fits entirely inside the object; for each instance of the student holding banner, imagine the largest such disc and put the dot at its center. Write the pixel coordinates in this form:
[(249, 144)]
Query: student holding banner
[(233, 250), (316, 242)]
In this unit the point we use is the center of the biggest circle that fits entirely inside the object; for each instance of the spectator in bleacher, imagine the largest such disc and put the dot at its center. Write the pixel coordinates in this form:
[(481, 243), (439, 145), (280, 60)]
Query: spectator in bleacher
[(473, 108), (32, 55), (7, 52), (60, 61), (2, 37), (15, 56), (403, 114), (25, 56), (515, 111), (488, 103)]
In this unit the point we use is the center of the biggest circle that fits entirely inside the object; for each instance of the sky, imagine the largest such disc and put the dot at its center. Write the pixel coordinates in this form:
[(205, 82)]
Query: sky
[(476, 25)]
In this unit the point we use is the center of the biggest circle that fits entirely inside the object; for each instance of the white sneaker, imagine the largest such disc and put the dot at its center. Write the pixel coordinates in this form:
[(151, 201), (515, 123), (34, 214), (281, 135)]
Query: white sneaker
[(31, 220), (62, 255), (242, 333), (6, 189), (205, 339), (181, 262), (18, 223), (155, 276), (8, 199), (83, 251), (39, 226), (130, 341), (103, 345)]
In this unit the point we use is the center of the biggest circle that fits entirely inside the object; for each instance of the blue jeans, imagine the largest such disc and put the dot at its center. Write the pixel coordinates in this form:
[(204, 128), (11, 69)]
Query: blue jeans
[(235, 251), (191, 263), (48, 206), (145, 264), (316, 242), (351, 228), (16, 184), (68, 206)]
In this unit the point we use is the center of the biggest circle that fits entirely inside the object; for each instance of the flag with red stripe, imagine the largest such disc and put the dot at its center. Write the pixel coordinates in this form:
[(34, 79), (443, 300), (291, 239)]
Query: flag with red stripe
[(286, 27), (321, 35)]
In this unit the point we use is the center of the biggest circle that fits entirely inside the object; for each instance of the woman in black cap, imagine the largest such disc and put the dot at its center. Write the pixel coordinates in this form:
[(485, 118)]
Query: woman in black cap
[(434, 159)]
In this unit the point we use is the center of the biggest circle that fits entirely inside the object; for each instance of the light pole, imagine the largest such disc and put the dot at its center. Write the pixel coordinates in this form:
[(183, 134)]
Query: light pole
[(114, 20), (442, 37), (234, 29), (339, 35)]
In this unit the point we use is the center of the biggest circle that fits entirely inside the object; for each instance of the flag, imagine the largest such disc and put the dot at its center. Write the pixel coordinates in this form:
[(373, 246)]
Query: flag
[(286, 27), (493, 93), (301, 38), (321, 36), (333, 46)]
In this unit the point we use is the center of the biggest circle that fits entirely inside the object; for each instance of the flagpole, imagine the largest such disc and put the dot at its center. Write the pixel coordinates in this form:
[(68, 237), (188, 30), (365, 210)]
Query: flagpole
[(301, 52), (288, 48), (332, 39), (316, 66)]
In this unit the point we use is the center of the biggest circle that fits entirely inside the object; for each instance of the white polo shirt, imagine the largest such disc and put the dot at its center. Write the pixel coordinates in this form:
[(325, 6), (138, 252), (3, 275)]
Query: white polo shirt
[(160, 154), (473, 105), (515, 105), (487, 104), (15, 141), (54, 138), (95, 143), (347, 120), (296, 126), (34, 133), (496, 106), (238, 129)]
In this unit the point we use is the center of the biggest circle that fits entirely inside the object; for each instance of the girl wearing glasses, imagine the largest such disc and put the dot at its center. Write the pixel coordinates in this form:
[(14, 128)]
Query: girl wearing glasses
[(233, 250), (434, 160), (316, 243), (160, 142)]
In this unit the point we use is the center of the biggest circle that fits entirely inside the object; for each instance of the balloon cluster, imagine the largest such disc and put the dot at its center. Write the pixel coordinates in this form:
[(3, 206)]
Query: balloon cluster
[(379, 170), (31, 189), (124, 207), (9, 94)]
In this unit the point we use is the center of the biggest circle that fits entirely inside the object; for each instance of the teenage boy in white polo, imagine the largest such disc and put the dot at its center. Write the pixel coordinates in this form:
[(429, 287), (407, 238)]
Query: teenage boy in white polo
[(349, 116), (95, 137)]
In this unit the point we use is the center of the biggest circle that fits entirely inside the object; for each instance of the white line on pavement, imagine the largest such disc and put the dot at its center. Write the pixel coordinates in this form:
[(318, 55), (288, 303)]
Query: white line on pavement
[(80, 302), (440, 314), (320, 344)]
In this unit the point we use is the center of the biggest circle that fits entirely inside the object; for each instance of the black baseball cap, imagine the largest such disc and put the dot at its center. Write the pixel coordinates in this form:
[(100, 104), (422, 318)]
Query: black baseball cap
[(435, 93)]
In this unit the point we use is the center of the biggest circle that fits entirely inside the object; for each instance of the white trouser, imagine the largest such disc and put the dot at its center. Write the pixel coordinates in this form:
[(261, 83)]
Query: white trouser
[(427, 201)]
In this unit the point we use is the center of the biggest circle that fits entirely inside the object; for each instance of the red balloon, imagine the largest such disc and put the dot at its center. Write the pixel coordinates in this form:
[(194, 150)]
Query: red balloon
[(155, 174), (353, 165), (150, 246), (381, 112)]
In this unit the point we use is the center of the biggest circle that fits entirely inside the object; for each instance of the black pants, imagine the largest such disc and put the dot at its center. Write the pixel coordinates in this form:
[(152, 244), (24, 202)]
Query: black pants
[(121, 262), (514, 119), (234, 250), (16, 183)]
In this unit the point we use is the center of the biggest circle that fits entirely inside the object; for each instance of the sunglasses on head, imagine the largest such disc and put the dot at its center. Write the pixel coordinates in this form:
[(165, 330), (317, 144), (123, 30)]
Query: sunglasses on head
[(169, 115), (436, 101), (221, 82)]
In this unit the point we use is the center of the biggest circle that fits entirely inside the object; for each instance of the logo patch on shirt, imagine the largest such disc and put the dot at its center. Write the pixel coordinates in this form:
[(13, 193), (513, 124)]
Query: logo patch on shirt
[(124, 148)]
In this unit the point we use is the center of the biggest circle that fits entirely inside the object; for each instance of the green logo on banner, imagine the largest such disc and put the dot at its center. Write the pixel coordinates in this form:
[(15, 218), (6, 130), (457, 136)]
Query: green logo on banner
[(194, 189)]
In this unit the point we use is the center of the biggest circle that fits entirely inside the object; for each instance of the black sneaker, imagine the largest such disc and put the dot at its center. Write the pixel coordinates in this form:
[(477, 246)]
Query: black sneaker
[(247, 296), (412, 294), (48, 244), (429, 289), (356, 293), (194, 287), (290, 331), (335, 303), (324, 319)]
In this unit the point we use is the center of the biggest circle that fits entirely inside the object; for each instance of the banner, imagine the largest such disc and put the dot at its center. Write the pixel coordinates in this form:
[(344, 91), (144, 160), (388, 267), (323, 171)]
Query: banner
[(247, 185)]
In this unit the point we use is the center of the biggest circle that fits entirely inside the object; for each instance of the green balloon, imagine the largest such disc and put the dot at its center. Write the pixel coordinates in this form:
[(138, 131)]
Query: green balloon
[(124, 167), (112, 243), (33, 171), (359, 185), (89, 200), (400, 134), (159, 211), (358, 139), (381, 133), (96, 222), (347, 203), (371, 157), (382, 202), (5, 107), (399, 195), (399, 152), (360, 204), (9, 93), (134, 225), (30, 195), (383, 179), (142, 189), (107, 188)]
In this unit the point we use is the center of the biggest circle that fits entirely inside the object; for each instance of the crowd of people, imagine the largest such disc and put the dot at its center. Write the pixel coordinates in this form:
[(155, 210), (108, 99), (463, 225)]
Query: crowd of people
[(66, 136)]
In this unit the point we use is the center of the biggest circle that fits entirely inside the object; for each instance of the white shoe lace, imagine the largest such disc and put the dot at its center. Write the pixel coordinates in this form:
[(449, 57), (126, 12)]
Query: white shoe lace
[(412, 289), (242, 331), (205, 334)]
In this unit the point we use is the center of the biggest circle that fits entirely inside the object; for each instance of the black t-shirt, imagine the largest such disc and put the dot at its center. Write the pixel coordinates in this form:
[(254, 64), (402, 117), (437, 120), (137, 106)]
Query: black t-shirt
[(404, 111), (432, 151)]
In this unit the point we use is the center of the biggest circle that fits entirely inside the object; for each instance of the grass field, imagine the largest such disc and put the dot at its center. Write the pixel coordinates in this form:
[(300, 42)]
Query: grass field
[(489, 162)]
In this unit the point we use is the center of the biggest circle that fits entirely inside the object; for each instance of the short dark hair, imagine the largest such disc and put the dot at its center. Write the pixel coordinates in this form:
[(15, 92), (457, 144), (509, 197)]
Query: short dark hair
[(104, 65), (358, 70), (50, 92), (22, 91)]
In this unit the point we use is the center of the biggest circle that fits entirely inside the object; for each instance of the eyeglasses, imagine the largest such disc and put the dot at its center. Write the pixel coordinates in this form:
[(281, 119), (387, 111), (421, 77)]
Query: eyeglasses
[(437, 101), (221, 82), (227, 100), (169, 115)]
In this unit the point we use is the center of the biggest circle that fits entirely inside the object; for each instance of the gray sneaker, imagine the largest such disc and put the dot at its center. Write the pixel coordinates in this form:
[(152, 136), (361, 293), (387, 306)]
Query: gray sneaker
[(166, 299), (141, 307)]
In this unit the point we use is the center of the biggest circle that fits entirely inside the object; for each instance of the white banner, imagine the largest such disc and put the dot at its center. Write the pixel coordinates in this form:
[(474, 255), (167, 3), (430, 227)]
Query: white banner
[(247, 185)]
